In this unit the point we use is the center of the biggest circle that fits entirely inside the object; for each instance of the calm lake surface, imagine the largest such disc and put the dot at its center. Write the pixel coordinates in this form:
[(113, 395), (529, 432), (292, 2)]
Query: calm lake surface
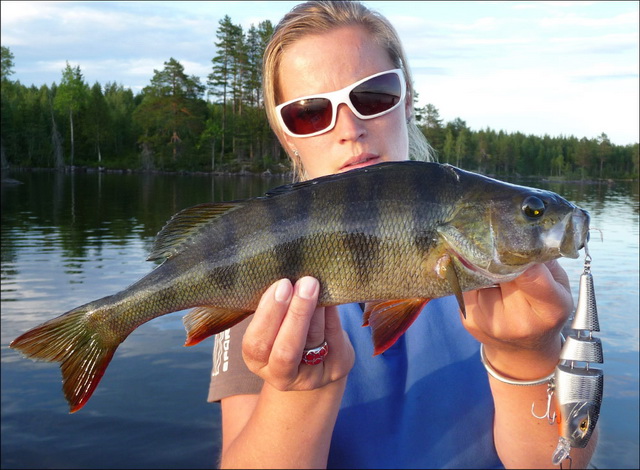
[(68, 239)]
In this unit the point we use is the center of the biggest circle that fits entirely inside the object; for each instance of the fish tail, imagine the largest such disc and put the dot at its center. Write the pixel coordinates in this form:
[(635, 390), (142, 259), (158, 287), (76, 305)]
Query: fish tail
[(83, 354)]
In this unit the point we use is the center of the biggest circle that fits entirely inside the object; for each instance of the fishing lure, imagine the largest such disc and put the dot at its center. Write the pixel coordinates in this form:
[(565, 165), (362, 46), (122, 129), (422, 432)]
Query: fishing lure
[(578, 388)]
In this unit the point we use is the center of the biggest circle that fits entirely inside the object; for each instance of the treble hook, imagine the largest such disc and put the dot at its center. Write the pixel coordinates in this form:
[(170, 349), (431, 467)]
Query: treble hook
[(570, 462), (552, 419)]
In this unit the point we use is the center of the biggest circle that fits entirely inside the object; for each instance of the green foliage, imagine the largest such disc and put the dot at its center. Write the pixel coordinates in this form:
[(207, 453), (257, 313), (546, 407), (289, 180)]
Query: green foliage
[(70, 98), (170, 126), (7, 63), (171, 116), (499, 153)]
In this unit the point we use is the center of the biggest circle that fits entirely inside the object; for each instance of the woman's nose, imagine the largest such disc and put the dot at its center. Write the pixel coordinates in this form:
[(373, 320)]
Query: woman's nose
[(348, 125)]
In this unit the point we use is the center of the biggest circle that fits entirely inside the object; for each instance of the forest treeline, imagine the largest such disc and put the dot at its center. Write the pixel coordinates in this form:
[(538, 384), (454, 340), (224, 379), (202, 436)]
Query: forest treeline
[(180, 123)]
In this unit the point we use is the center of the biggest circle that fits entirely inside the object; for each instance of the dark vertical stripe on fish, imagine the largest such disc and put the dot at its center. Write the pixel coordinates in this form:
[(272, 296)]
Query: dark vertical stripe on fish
[(364, 248), (228, 278), (365, 254), (429, 213), (290, 248), (424, 241), (290, 258), (224, 278)]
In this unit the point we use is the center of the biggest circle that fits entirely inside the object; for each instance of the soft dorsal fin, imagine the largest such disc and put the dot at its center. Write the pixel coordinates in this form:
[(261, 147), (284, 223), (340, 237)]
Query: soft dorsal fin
[(185, 225)]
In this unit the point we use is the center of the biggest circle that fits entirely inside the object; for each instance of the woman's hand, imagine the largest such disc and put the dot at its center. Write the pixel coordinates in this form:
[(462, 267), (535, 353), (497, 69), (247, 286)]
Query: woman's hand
[(519, 324), (519, 321), (287, 321), (290, 423)]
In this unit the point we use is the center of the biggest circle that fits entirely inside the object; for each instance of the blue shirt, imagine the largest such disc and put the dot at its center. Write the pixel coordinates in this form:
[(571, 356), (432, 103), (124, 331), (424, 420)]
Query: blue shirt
[(423, 403)]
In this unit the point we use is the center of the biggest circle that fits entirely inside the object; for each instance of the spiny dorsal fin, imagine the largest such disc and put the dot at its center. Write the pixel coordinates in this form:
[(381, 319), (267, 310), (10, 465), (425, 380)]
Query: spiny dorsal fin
[(185, 225), (352, 174)]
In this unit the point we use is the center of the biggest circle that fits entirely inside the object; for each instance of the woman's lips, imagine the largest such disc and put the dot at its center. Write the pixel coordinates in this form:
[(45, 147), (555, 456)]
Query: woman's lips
[(359, 162)]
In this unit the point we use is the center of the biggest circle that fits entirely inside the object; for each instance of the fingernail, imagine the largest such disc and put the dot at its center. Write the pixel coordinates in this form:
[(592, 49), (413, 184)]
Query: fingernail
[(307, 287), (283, 290)]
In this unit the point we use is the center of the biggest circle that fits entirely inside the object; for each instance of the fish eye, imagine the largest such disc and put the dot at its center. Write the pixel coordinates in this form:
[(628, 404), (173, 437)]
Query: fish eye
[(533, 207)]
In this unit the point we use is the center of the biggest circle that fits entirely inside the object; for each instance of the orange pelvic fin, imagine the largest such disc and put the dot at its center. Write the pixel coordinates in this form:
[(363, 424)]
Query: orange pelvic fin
[(203, 322), (390, 319), (83, 354)]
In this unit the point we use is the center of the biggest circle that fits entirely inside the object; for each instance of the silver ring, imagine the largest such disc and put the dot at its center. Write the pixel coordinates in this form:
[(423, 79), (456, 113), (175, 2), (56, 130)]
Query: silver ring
[(315, 356)]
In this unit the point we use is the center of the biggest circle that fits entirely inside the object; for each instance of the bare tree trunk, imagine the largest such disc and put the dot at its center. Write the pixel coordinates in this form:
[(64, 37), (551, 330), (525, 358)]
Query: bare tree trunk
[(224, 119), (98, 146), (213, 155), (55, 140), (72, 142), (146, 157), (4, 164)]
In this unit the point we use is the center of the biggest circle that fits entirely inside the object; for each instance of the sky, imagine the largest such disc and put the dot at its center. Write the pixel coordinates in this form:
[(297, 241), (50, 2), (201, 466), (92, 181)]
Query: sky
[(557, 68)]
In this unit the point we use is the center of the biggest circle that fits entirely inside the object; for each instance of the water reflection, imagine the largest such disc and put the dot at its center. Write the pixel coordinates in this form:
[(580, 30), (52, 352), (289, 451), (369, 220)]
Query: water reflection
[(67, 239)]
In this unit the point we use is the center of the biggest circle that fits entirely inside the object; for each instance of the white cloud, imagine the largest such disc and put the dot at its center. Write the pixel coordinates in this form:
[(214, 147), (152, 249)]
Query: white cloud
[(17, 12), (612, 44), (528, 66), (623, 19), (550, 4), (198, 69)]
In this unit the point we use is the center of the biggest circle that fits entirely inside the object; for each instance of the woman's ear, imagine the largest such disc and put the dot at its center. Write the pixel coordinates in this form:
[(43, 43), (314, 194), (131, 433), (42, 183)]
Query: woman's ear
[(408, 106), (288, 141)]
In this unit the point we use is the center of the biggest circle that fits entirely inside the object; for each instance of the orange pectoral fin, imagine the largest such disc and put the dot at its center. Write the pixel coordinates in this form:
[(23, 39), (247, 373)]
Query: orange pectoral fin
[(446, 270), (390, 319), (203, 322)]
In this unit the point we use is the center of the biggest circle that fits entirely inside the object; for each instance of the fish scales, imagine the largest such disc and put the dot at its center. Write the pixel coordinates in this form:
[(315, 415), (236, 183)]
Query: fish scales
[(396, 234), (319, 236), (334, 255), (323, 235)]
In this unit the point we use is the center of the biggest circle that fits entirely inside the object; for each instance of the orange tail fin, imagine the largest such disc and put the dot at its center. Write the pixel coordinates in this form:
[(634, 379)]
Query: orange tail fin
[(82, 353)]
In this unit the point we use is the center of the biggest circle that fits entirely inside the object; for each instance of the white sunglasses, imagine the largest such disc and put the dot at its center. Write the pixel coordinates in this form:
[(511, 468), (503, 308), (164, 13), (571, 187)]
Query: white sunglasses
[(368, 98)]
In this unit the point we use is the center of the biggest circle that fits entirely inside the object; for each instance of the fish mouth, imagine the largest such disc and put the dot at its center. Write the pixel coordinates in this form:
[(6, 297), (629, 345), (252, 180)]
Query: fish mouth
[(571, 234)]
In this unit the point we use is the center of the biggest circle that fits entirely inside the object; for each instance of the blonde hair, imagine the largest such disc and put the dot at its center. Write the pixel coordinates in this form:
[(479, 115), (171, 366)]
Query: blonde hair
[(316, 17)]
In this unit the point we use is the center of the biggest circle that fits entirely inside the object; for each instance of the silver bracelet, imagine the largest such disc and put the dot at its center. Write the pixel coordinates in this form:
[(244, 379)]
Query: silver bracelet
[(496, 375)]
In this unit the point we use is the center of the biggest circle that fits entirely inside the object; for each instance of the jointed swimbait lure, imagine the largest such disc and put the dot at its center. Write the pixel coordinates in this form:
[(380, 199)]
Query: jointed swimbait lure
[(578, 389)]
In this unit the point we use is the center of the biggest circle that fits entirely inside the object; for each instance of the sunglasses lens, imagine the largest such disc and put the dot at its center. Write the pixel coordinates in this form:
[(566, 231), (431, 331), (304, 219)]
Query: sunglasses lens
[(307, 116), (377, 95)]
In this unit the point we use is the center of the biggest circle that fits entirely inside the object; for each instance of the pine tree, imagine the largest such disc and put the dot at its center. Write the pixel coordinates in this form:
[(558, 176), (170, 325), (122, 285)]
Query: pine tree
[(171, 110), (223, 64), (71, 97)]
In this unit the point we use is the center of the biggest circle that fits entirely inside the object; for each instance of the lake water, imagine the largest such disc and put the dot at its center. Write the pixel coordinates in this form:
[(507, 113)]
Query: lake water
[(68, 239)]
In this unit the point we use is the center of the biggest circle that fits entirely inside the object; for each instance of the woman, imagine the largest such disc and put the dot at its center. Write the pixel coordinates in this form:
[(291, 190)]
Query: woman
[(427, 401)]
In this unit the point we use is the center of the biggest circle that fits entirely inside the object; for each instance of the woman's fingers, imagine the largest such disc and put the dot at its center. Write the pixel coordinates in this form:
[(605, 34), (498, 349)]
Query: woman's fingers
[(295, 332), (288, 321), (524, 311), (265, 325)]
